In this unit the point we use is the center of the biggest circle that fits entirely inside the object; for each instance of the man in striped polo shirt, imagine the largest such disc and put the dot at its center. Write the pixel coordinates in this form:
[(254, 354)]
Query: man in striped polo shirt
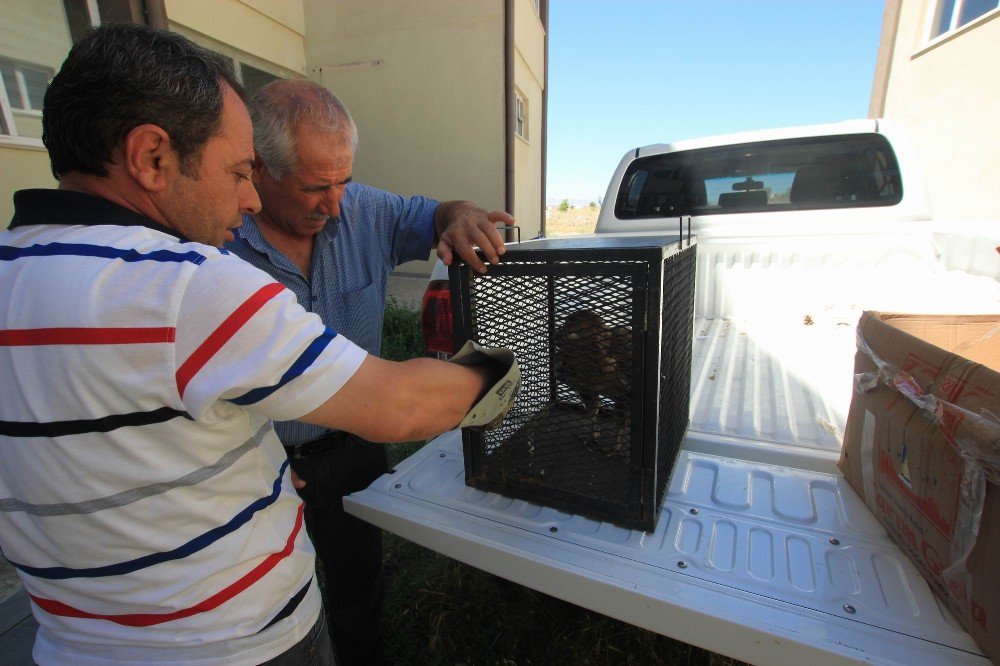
[(334, 242), (145, 499)]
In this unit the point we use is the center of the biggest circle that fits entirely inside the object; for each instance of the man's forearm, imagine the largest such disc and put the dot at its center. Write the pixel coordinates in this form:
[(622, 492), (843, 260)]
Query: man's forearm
[(387, 401)]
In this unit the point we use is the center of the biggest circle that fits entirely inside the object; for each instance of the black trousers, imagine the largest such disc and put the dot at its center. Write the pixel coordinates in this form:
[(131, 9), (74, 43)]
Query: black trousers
[(313, 650), (349, 549)]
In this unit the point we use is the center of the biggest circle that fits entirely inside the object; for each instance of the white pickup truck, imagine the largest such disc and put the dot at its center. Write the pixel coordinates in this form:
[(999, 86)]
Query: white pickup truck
[(762, 552)]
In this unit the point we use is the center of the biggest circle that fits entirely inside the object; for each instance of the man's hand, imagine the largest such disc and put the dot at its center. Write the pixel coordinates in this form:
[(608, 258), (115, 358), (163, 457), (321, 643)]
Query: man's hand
[(461, 225)]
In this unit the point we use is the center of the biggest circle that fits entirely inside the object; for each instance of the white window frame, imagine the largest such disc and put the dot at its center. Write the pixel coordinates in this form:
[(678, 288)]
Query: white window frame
[(520, 115), (8, 128), (22, 85), (953, 24)]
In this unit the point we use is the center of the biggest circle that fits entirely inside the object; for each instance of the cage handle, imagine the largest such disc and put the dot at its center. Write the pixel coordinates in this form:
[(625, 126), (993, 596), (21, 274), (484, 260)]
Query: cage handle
[(506, 232), (680, 231)]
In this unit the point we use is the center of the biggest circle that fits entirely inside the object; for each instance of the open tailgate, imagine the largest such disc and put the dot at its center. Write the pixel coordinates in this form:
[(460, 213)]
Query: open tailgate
[(758, 562)]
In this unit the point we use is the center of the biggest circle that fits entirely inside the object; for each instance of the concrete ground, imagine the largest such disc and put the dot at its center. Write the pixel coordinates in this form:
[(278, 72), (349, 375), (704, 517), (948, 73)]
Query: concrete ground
[(408, 290), (17, 625)]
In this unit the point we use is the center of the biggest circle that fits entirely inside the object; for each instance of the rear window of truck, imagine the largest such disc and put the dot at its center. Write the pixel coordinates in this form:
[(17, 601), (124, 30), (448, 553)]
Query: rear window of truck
[(842, 171)]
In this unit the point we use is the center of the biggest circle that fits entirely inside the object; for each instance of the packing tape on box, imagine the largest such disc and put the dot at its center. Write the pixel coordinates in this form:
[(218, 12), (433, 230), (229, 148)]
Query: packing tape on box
[(980, 452)]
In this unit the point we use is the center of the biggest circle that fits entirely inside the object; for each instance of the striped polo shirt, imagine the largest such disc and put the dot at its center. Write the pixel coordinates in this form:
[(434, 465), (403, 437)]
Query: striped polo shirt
[(144, 497)]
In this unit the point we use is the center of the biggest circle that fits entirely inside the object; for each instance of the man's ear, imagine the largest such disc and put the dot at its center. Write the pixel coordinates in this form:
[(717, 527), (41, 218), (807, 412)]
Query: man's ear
[(149, 158)]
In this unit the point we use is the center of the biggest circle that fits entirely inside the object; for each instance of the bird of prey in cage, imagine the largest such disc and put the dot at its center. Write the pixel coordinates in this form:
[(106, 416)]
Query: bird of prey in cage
[(595, 360)]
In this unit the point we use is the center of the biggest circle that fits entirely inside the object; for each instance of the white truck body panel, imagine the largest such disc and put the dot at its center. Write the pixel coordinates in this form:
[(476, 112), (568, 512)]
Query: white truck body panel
[(762, 551), (753, 574)]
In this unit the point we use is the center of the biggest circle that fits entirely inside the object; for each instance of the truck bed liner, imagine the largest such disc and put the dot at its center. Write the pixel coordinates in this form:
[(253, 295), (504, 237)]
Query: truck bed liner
[(747, 387)]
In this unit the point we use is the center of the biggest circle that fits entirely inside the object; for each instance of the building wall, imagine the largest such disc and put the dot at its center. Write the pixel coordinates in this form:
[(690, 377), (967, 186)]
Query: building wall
[(36, 29), (424, 82), (267, 34), (34, 32), (22, 168), (945, 95), (529, 80)]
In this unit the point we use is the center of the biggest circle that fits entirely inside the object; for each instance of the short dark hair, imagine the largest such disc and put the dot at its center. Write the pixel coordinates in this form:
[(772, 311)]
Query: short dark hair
[(120, 76)]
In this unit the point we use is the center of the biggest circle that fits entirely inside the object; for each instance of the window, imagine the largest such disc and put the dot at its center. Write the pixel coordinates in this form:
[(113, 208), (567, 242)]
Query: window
[(254, 79), (520, 116), (791, 174), (25, 84), (953, 14), (35, 37)]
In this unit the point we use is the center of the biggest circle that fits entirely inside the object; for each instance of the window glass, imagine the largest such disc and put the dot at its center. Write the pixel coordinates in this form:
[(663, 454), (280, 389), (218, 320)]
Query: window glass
[(255, 79), (634, 187), (793, 174), (9, 76), (942, 20), (36, 80), (34, 40), (25, 84), (519, 123), (953, 14), (252, 78), (973, 9)]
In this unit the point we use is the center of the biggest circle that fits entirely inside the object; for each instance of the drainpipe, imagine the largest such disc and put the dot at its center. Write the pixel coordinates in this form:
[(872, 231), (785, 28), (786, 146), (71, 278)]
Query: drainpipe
[(543, 10), (883, 63), (508, 116), (156, 13), (144, 12)]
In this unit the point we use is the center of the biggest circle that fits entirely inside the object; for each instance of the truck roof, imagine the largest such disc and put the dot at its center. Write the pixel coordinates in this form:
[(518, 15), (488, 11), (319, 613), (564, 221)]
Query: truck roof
[(829, 129)]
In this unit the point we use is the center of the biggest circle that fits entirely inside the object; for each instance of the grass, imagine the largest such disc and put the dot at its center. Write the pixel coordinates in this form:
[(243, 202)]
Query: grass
[(401, 337), (441, 612)]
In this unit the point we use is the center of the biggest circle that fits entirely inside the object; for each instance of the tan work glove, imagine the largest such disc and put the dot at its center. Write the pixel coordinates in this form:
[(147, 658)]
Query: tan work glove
[(491, 409)]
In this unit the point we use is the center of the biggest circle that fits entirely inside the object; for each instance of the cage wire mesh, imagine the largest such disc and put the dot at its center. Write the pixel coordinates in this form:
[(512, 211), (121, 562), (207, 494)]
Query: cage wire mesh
[(580, 330), (675, 362)]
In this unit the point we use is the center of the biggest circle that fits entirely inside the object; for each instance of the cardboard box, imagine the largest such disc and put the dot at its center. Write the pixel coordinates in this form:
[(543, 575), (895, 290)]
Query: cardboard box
[(922, 448)]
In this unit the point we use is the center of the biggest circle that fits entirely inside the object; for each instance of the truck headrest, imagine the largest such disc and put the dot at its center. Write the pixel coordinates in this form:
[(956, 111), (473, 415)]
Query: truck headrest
[(748, 199), (828, 180)]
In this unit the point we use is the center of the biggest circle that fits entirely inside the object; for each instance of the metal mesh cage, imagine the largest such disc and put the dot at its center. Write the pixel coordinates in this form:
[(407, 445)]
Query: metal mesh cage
[(602, 332)]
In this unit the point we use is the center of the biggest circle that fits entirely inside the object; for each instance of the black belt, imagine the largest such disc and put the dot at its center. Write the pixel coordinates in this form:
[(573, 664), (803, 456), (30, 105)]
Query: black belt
[(319, 445)]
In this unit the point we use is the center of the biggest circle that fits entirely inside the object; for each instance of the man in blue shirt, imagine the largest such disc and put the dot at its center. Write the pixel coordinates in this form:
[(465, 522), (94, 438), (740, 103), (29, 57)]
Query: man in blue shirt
[(334, 242)]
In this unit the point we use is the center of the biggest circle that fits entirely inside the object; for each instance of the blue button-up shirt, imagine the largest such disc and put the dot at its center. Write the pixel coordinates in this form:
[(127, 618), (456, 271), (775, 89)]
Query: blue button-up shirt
[(351, 261)]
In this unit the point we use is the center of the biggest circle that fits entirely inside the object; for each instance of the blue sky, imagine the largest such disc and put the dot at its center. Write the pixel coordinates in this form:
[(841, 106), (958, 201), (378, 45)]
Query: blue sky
[(627, 73)]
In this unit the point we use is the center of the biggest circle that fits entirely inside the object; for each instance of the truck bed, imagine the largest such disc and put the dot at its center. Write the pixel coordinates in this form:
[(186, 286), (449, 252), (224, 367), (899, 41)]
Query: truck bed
[(762, 551)]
